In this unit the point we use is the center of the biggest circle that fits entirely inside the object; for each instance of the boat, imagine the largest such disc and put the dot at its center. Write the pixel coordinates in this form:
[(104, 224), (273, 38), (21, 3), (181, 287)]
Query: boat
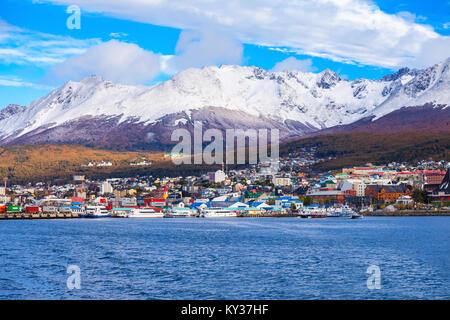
[(179, 213), (340, 212), (217, 213), (121, 212), (356, 216), (313, 211), (145, 212), (96, 212)]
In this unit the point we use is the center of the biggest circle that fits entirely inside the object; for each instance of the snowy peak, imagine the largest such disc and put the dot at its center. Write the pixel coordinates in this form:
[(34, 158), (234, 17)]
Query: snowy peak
[(419, 87), (328, 79), (10, 110), (92, 79), (399, 74), (295, 100)]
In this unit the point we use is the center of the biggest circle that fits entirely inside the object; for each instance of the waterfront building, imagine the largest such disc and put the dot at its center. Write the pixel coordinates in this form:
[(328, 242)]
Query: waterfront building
[(387, 193), (442, 193), (405, 200)]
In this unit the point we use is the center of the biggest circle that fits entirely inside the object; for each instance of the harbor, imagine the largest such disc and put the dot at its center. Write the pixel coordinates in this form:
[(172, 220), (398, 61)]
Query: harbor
[(354, 193)]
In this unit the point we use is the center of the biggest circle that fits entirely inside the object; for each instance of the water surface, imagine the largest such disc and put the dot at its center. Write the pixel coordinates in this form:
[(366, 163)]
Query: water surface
[(231, 258)]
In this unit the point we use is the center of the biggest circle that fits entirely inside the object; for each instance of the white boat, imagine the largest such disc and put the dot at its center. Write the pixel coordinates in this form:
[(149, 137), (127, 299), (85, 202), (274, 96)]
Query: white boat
[(145, 212), (340, 212), (96, 212), (217, 213), (179, 213), (121, 212), (313, 211), (356, 216)]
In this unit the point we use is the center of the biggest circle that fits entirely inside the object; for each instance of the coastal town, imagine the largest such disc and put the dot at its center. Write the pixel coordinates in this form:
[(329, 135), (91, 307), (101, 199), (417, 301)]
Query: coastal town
[(286, 188)]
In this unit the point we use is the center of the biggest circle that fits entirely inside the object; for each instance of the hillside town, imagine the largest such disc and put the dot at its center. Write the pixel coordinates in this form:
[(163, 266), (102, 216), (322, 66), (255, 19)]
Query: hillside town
[(286, 188)]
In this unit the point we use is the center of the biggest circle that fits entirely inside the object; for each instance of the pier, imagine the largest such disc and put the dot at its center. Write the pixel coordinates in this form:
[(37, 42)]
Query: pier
[(38, 215)]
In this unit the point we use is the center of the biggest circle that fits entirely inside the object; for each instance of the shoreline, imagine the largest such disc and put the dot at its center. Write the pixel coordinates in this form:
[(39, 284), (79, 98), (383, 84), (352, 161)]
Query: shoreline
[(412, 213), (407, 213)]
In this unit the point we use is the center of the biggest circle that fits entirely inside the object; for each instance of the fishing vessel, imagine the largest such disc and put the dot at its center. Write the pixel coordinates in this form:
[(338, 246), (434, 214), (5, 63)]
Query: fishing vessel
[(145, 212), (217, 213), (96, 212)]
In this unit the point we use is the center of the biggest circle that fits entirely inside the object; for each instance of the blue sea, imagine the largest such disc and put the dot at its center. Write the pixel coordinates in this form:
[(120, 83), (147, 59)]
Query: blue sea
[(231, 258)]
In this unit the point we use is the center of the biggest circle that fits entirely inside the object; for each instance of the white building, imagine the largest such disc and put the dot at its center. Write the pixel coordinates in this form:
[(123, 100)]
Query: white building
[(406, 200), (281, 181), (2, 191), (104, 164), (106, 187), (4, 199), (354, 184), (360, 188), (217, 177)]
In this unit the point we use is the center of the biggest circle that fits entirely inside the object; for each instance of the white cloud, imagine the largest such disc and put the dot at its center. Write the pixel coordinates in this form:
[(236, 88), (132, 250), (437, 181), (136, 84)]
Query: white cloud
[(118, 35), (198, 49), (446, 25), (117, 61), (292, 63), (411, 17), (343, 30), (21, 46), (433, 51), (17, 82)]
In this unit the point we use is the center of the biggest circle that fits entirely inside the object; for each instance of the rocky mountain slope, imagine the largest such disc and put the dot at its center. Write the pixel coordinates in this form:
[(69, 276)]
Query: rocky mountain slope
[(97, 112)]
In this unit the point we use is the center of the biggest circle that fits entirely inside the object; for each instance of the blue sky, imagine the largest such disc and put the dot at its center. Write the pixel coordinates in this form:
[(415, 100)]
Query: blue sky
[(149, 41)]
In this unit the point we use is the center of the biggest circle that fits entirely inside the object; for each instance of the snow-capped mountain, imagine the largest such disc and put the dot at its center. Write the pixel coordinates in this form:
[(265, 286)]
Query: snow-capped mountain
[(10, 110), (295, 102)]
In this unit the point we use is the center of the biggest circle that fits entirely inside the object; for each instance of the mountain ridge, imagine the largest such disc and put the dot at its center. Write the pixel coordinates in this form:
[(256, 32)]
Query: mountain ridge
[(298, 103)]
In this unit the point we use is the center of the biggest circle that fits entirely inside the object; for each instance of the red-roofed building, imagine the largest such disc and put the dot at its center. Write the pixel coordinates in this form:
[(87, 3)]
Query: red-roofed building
[(433, 177), (76, 199)]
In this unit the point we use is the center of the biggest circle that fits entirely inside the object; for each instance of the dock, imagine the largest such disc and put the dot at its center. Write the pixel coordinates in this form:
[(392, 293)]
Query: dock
[(38, 216), (268, 215)]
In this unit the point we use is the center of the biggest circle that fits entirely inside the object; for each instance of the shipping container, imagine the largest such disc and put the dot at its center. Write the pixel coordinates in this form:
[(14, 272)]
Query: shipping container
[(2, 209), (49, 209), (13, 209), (31, 209)]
